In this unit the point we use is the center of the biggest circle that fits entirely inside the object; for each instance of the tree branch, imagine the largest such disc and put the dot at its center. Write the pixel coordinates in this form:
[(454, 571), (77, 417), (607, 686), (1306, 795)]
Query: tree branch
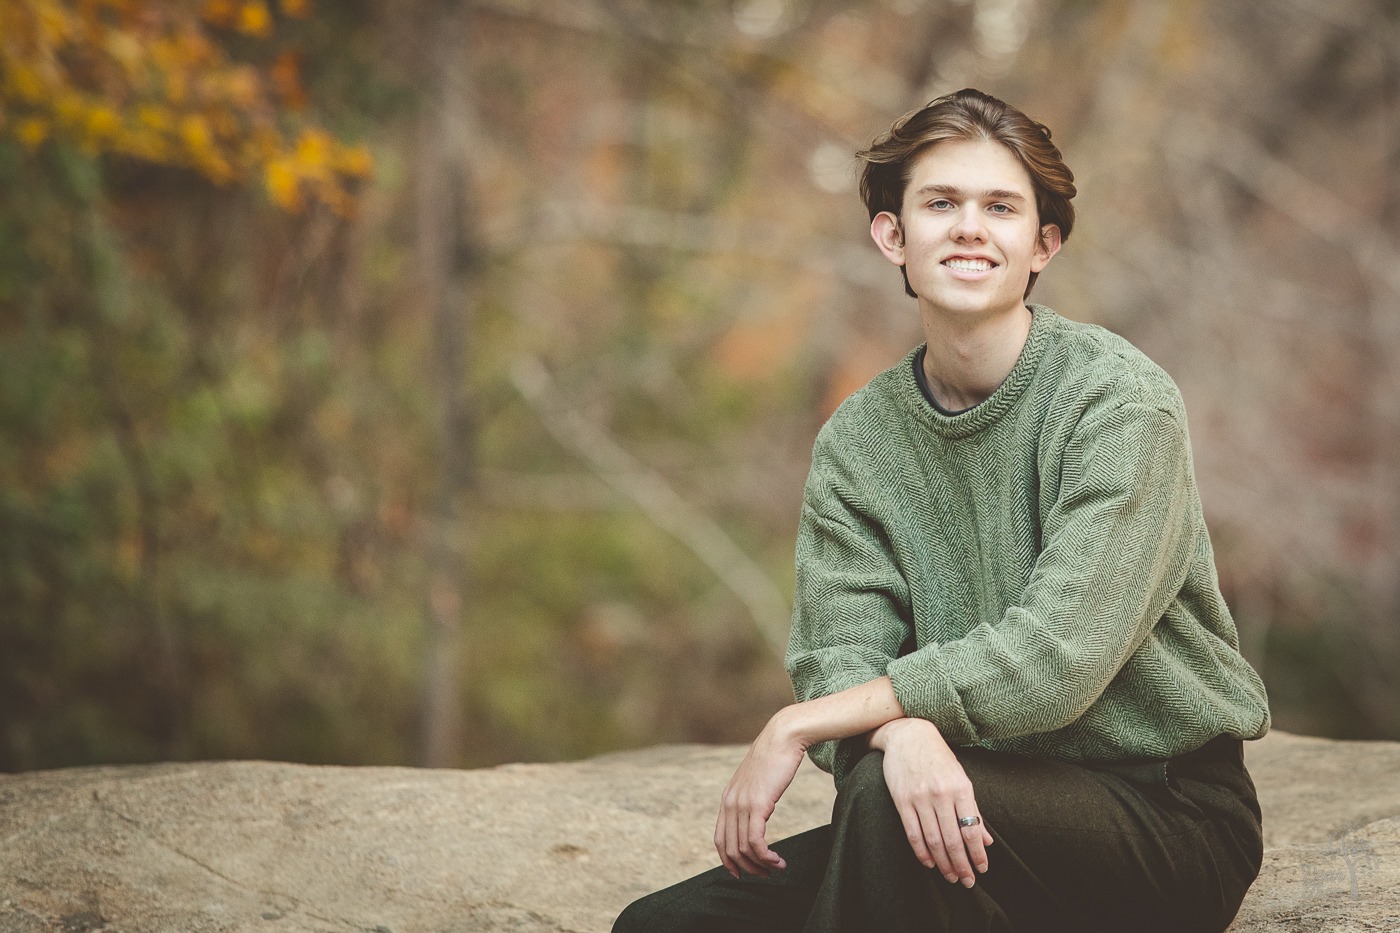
[(658, 501)]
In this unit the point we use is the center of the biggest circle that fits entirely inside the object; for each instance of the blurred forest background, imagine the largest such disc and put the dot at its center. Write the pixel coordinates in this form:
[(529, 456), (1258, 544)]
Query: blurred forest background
[(434, 382)]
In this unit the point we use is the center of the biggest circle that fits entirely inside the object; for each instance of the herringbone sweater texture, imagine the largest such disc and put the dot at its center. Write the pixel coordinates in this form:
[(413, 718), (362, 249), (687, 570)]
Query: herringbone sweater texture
[(1034, 574)]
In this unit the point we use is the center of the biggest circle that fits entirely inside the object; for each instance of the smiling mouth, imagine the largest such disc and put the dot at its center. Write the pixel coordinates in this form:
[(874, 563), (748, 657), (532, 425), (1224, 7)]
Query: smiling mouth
[(970, 265)]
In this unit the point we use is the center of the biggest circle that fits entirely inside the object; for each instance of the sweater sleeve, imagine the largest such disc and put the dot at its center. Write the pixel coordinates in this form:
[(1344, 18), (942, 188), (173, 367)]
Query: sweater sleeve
[(1116, 547), (850, 613)]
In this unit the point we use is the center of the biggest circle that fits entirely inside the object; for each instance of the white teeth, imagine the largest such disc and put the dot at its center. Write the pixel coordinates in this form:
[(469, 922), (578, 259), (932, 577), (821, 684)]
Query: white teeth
[(968, 265)]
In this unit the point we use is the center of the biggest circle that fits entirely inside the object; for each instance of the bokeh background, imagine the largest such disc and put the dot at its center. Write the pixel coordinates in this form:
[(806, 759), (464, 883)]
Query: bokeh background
[(434, 382)]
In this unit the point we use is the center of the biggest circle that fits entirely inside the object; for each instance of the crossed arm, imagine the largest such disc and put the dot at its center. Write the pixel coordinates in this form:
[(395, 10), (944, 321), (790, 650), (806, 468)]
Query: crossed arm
[(928, 785)]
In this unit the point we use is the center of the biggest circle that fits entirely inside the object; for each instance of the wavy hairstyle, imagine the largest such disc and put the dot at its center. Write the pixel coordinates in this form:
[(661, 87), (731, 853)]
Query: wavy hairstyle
[(972, 115)]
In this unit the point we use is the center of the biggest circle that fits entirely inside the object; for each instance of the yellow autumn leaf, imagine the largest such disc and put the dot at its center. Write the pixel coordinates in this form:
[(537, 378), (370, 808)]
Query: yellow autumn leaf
[(155, 80), (355, 160), (55, 24), (153, 118), (126, 50), (144, 145), (69, 107), (102, 123), (176, 86), (26, 82), (254, 19), (220, 12), (313, 152), (193, 49), (282, 184), (194, 132), (32, 131), (163, 54)]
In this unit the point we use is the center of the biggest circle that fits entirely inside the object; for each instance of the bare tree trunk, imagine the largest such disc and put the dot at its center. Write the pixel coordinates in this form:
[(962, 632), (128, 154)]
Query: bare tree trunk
[(448, 256), (164, 668)]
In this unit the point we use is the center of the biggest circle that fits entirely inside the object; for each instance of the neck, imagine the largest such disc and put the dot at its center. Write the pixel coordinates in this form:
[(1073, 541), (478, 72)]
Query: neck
[(967, 359)]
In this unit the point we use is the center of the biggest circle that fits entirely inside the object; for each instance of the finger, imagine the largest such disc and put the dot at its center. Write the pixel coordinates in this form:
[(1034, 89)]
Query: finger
[(758, 845), (751, 867), (914, 832), (743, 847), (972, 838), (957, 847), (722, 842), (734, 844), (933, 837)]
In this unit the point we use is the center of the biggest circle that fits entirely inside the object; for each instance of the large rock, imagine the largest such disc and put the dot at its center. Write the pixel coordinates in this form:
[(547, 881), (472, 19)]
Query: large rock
[(561, 847)]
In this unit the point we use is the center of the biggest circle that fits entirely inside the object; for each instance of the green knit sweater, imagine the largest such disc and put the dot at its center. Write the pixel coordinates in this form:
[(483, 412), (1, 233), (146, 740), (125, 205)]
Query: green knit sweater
[(1034, 574)]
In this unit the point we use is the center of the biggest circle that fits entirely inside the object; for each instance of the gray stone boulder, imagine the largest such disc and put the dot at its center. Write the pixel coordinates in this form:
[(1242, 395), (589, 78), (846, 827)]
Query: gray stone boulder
[(559, 847)]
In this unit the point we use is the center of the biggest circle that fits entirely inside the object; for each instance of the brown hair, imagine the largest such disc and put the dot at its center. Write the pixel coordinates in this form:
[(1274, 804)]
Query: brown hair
[(972, 115)]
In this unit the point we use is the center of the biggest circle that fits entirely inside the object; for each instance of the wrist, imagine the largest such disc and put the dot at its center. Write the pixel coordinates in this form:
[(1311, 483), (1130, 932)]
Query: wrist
[(787, 727), (909, 725)]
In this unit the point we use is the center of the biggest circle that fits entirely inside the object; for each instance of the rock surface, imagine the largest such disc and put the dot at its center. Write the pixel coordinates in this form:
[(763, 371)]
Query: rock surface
[(559, 847)]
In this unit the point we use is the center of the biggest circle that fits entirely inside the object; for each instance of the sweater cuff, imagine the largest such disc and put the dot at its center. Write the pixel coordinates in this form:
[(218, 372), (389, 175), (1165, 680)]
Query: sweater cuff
[(925, 691)]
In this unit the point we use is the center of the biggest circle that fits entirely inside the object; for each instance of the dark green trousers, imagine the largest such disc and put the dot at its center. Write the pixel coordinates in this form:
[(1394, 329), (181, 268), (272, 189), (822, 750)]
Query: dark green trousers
[(1168, 847)]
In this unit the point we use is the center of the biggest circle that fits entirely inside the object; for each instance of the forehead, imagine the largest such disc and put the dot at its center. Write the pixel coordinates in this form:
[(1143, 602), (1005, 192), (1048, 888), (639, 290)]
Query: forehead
[(971, 166)]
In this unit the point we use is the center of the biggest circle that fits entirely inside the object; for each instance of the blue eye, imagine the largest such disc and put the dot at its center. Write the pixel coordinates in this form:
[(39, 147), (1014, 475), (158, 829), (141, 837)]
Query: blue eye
[(1001, 208), (941, 204)]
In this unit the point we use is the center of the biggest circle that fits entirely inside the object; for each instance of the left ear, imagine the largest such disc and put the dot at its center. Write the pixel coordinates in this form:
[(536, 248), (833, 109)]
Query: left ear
[(1046, 246)]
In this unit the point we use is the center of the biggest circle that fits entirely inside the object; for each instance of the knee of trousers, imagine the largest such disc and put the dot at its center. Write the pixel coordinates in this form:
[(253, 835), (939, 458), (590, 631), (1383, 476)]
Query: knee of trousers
[(865, 797), (638, 915), (687, 907)]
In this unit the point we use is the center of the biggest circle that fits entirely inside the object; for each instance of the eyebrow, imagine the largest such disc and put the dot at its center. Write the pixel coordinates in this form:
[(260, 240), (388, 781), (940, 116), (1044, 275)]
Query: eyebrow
[(995, 194)]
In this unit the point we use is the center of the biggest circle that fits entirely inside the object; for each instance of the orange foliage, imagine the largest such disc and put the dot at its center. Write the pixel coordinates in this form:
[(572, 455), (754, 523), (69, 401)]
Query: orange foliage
[(149, 79)]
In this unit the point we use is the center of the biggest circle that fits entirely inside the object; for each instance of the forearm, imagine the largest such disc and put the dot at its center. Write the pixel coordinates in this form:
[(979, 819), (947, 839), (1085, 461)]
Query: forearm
[(773, 758), (854, 711)]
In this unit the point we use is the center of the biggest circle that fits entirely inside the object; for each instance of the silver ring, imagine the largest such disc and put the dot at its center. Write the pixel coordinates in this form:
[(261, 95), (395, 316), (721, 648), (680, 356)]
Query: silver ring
[(969, 820)]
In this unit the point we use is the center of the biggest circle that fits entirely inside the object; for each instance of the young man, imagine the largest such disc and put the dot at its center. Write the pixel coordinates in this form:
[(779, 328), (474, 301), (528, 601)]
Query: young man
[(1009, 645)]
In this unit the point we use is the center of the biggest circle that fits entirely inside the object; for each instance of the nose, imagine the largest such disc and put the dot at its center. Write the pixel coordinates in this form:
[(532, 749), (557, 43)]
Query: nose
[(968, 226)]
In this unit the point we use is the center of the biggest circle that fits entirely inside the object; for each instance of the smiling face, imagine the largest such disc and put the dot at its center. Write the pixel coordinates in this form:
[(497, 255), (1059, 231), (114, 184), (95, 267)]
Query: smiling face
[(969, 235)]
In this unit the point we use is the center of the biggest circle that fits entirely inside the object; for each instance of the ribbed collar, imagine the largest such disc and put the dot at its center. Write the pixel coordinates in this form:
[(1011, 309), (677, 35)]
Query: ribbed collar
[(988, 411)]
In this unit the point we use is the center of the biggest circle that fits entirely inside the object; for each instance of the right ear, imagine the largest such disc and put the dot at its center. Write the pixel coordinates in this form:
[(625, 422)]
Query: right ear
[(888, 234)]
